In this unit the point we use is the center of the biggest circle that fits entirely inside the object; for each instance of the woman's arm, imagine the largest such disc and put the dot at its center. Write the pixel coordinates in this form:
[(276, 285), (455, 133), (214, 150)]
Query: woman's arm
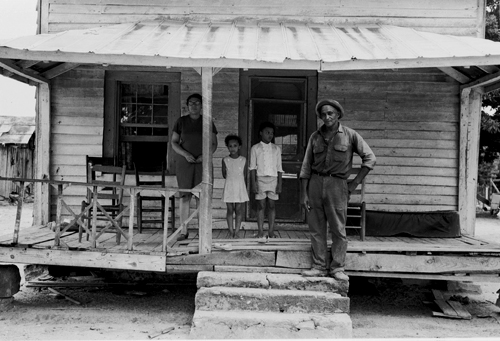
[(179, 150), (215, 143), (224, 170)]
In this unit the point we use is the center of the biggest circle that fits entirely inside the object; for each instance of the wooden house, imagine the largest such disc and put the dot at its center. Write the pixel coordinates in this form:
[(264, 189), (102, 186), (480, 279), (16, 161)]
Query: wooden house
[(17, 150), (113, 76)]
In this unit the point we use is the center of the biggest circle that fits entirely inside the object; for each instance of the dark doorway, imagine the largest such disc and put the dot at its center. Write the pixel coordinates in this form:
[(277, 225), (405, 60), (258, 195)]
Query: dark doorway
[(284, 101)]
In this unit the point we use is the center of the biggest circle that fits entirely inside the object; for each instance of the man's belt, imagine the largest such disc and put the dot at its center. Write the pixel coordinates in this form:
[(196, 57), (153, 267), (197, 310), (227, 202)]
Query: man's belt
[(326, 174)]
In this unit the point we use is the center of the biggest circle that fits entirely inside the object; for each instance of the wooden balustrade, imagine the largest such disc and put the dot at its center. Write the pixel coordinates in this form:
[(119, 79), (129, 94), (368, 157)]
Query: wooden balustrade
[(77, 218)]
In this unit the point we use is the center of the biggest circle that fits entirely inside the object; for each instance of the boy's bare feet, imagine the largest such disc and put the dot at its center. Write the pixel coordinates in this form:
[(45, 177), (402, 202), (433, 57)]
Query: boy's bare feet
[(272, 235)]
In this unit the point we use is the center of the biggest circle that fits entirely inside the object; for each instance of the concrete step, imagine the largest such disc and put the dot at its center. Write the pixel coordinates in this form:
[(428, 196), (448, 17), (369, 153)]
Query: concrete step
[(274, 300), (271, 281), (265, 325)]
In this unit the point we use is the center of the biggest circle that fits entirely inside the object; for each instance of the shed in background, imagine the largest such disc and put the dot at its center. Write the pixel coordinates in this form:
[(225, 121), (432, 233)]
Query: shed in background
[(17, 150)]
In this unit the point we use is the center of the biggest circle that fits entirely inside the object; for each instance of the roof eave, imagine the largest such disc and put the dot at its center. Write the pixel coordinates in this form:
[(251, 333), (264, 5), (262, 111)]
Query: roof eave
[(157, 61)]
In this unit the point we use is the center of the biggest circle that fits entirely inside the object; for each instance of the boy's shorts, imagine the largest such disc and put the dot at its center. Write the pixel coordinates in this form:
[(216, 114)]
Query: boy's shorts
[(267, 187)]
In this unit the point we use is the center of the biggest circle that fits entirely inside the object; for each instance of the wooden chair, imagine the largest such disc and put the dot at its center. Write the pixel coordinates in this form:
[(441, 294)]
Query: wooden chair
[(101, 172), (151, 208), (356, 208)]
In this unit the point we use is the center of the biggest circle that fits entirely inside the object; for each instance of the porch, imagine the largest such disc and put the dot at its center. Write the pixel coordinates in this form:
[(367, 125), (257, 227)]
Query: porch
[(209, 247), (461, 259)]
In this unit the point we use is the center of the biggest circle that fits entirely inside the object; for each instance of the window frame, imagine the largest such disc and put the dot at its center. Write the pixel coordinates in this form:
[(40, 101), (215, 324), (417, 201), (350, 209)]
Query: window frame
[(113, 79)]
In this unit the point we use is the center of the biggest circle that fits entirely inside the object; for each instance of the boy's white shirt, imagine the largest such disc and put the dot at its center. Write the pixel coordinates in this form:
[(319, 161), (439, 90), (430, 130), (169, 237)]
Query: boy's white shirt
[(266, 159)]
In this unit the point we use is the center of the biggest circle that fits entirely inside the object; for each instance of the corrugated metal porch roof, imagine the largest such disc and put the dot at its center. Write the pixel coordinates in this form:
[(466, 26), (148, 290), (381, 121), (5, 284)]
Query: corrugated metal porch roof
[(290, 45)]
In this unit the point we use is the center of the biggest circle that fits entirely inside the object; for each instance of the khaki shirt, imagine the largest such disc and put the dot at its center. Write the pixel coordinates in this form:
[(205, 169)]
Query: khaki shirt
[(335, 157)]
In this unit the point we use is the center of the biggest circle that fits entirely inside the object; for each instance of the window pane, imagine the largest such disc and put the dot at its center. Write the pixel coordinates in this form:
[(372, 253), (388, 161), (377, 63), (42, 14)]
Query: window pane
[(160, 94), (142, 105), (276, 89), (286, 118)]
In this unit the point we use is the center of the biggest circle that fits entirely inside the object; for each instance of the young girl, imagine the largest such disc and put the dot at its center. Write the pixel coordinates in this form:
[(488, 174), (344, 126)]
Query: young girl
[(235, 192)]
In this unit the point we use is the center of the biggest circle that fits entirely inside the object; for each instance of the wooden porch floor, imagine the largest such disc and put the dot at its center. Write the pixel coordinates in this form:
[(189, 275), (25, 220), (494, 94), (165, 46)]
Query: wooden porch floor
[(150, 241), (429, 258)]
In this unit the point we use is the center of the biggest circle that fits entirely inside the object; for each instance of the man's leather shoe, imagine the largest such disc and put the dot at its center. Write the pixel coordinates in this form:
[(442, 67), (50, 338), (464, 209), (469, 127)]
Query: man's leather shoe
[(314, 273), (340, 276)]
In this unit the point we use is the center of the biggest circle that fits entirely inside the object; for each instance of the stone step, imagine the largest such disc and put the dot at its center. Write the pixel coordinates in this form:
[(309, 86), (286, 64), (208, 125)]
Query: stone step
[(272, 281), (265, 325), (274, 300)]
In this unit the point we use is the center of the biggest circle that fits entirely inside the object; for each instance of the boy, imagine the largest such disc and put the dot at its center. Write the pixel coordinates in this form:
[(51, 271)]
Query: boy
[(266, 176)]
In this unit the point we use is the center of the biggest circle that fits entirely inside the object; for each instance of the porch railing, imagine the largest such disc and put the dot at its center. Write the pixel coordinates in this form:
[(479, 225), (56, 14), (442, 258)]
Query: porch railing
[(112, 222)]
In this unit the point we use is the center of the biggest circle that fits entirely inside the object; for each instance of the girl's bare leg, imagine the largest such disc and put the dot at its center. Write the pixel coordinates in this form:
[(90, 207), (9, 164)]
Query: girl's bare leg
[(239, 217), (229, 218)]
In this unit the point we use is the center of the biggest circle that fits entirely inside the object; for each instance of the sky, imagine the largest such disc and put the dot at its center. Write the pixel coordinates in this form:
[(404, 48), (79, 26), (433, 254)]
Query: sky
[(17, 18)]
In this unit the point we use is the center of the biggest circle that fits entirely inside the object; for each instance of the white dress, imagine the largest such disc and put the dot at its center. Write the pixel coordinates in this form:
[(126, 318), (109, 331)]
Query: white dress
[(235, 189)]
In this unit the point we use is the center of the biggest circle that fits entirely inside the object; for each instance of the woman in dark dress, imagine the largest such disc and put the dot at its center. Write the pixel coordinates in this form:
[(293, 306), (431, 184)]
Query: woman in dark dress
[(187, 142)]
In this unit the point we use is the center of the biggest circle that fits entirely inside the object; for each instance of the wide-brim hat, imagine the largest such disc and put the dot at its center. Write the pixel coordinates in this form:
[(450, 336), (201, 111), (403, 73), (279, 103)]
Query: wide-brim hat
[(331, 102)]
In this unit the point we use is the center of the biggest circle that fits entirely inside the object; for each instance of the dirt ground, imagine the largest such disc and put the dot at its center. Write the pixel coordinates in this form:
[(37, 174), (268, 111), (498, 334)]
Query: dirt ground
[(379, 308)]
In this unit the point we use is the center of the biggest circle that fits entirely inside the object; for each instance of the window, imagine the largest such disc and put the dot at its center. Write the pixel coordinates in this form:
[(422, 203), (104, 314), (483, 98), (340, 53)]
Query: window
[(141, 108)]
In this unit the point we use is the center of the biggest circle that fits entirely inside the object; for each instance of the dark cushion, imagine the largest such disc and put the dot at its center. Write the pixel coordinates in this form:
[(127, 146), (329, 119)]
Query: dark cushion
[(443, 224)]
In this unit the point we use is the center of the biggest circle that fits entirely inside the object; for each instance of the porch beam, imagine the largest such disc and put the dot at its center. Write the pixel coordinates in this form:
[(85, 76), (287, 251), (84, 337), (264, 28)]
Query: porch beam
[(470, 121), (491, 88), (11, 67), (18, 78), (59, 70), (489, 68), (42, 155), (26, 64), (486, 80), (205, 221), (455, 74)]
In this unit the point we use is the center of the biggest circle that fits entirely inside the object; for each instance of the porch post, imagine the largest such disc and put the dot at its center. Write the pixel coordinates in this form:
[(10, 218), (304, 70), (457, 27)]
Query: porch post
[(42, 156), (205, 221), (470, 124)]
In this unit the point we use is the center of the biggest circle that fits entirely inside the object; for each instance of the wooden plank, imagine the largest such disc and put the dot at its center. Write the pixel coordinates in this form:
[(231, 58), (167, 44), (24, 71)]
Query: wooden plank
[(229, 268), (177, 268), (44, 241), (26, 64), (58, 70), (460, 310), (28, 234), (131, 261), (456, 75), (293, 259), (414, 189), (445, 307), (247, 257), (25, 73), (41, 207), (422, 264), (19, 211), (205, 231), (438, 295), (473, 131), (438, 314), (473, 278)]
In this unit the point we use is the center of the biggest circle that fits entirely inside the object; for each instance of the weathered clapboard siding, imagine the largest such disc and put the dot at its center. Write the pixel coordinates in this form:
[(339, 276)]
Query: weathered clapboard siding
[(77, 124), (77, 102), (410, 119), (459, 17)]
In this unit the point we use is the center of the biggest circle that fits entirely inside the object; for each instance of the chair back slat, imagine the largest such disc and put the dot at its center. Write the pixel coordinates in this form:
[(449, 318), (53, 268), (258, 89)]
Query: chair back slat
[(152, 176), (356, 206)]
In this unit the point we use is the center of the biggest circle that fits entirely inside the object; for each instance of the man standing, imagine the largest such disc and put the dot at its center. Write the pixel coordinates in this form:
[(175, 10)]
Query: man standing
[(325, 191)]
